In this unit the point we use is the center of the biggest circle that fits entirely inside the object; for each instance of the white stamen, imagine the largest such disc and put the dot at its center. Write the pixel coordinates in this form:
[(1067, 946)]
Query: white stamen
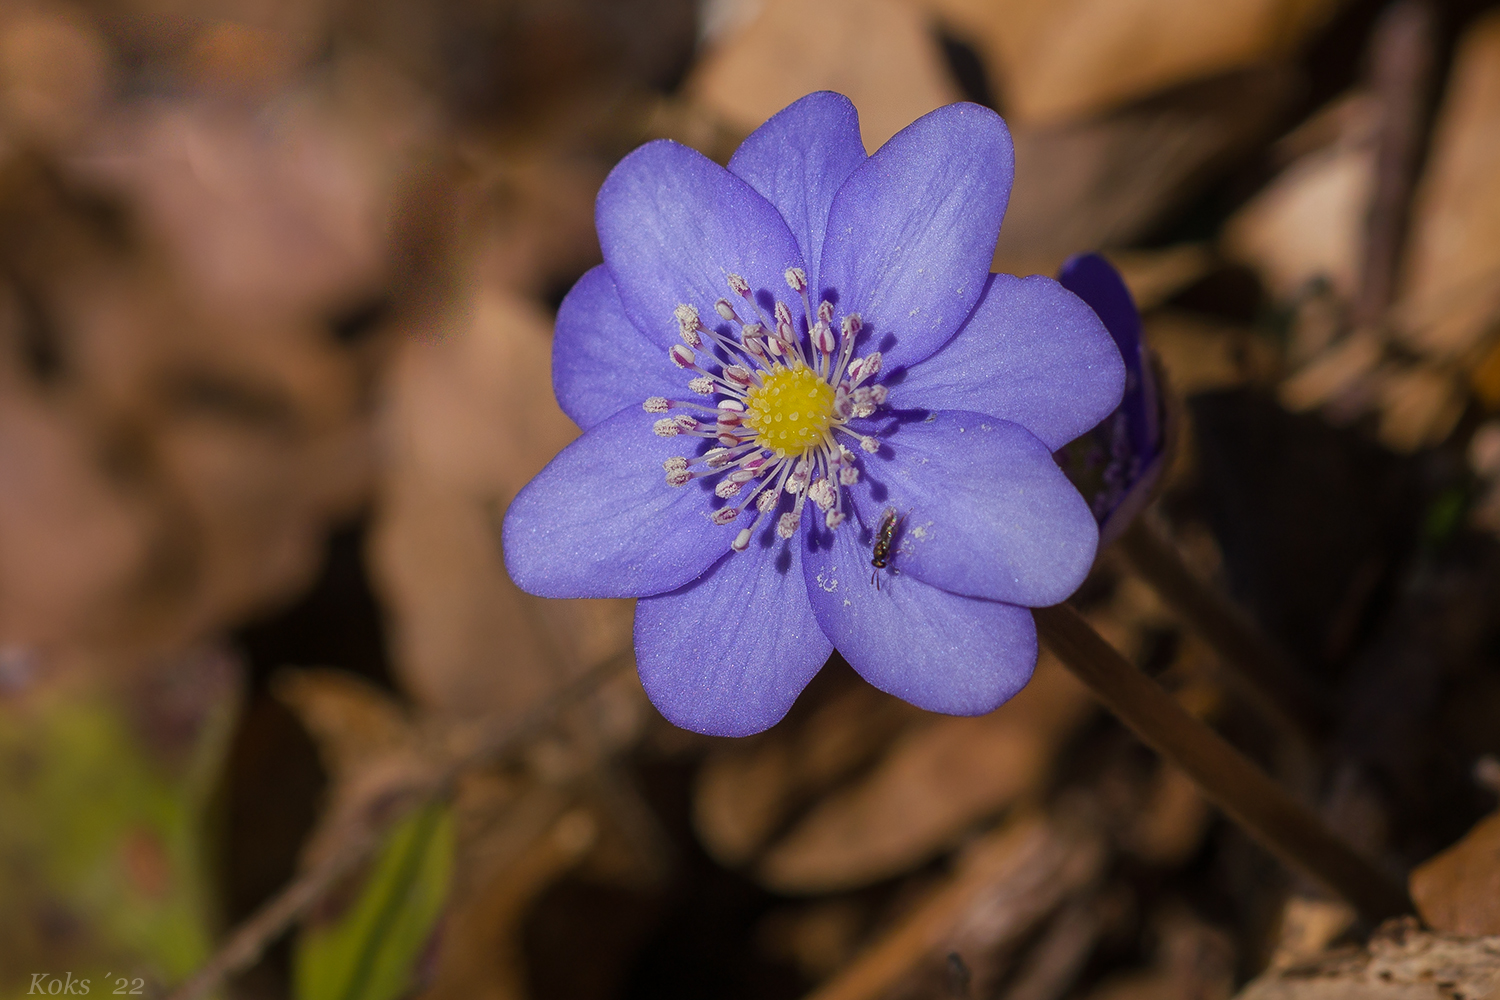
[(766, 502), (666, 427), (739, 375), (869, 444), (822, 337), (738, 285), (822, 493), (679, 477), (727, 488), (786, 525), (681, 356), (741, 541), (657, 404), (834, 518), (675, 464), (848, 475), (796, 278), (726, 311), (724, 515)]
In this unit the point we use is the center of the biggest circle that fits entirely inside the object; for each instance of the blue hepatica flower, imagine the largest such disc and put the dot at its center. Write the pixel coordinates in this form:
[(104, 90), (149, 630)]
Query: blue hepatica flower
[(781, 366)]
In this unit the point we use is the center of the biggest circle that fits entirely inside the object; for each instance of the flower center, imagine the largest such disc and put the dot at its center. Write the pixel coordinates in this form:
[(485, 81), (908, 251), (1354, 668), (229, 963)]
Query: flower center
[(783, 392), (790, 410)]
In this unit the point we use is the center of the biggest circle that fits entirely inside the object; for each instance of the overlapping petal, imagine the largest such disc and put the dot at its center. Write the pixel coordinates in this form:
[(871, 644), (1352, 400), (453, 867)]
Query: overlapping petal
[(600, 521), (729, 653), (672, 224), (798, 160), (601, 363), (939, 651), (987, 512), (912, 231), (1032, 353)]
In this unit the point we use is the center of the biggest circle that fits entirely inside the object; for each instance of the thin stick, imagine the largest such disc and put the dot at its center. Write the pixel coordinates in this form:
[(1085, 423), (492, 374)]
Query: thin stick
[(1264, 673), (1401, 59), (250, 939), (1225, 776)]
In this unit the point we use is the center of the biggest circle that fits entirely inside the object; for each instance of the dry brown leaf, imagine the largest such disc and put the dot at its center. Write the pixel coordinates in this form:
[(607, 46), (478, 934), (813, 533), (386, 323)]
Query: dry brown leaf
[(1200, 354), (1004, 885), (352, 721), (1308, 224), (1400, 963), (470, 419), (747, 789), (1458, 891), (1308, 927), (55, 73), (1153, 276), (70, 542), (879, 53), (936, 781), (1064, 60), (1104, 182), (1453, 260)]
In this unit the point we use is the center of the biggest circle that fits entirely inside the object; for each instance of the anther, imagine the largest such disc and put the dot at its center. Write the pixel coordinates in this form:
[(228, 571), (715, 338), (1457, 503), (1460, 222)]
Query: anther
[(679, 477), (796, 278), (724, 515), (725, 310), (738, 374), (783, 314), (702, 385), (821, 493), (731, 404), (851, 325), (869, 444), (717, 458), (741, 541), (727, 488), (681, 356), (688, 324), (822, 337), (666, 427), (786, 525), (848, 475), (834, 518), (675, 464), (739, 285), (766, 502), (684, 422), (657, 404), (825, 312)]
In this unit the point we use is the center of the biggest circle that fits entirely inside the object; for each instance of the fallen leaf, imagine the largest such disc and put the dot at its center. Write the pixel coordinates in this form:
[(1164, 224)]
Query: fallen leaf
[(1458, 891), (1064, 61), (938, 779), (1451, 279), (881, 54)]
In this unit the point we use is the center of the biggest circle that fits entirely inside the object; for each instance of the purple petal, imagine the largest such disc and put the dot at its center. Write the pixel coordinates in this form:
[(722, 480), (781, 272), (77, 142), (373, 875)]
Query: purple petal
[(673, 224), (939, 651), (600, 362), (728, 653), (986, 511), (798, 159), (601, 521), (912, 231), (1032, 353)]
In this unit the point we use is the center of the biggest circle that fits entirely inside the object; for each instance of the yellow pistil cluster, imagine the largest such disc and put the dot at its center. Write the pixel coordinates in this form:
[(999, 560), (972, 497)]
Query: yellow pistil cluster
[(790, 410)]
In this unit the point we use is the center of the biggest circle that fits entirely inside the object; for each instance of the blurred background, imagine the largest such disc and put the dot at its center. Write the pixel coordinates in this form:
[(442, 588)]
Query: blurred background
[(276, 289)]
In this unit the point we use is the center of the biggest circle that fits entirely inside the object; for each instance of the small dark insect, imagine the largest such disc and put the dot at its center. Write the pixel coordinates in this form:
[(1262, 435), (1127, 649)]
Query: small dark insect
[(880, 555)]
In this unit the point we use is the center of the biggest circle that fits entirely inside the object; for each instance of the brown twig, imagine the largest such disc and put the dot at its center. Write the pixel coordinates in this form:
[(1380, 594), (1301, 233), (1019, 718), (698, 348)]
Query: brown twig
[(1401, 56), (1226, 777), (1261, 670), (359, 839)]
